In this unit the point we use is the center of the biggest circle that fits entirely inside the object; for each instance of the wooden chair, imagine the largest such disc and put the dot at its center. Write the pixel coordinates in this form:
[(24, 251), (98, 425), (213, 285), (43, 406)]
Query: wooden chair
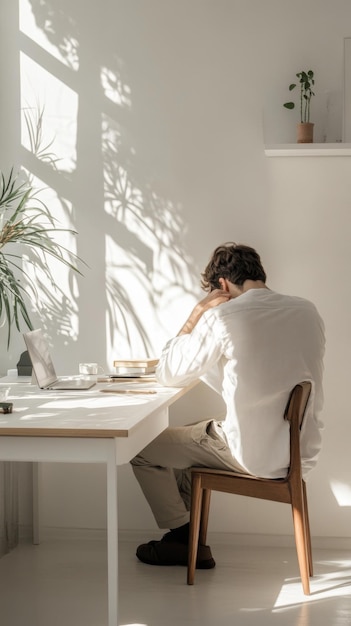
[(290, 490)]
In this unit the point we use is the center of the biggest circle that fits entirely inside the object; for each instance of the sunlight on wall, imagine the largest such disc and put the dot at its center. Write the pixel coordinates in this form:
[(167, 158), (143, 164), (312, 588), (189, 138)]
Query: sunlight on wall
[(148, 282), (128, 293), (115, 89), (48, 135), (41, 90), (341, 492), (144, 311), (62, 295), (81, 90), (40, 33)]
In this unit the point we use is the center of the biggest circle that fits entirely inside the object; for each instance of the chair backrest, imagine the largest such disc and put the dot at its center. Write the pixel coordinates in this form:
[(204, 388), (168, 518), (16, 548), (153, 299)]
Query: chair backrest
[(294, 413)]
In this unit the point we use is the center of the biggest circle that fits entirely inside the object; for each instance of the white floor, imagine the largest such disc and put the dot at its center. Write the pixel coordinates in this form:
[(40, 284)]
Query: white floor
[(63, 583)]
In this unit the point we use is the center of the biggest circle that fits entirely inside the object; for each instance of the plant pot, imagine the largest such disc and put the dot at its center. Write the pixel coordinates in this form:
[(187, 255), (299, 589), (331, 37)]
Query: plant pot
[(305, 132)]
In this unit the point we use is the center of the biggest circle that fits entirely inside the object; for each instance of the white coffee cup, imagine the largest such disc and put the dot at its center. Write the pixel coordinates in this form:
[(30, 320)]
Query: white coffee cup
[(89, 370)]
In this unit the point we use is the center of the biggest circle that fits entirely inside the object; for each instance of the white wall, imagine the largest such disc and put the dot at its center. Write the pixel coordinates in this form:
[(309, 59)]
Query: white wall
[(160, 112)]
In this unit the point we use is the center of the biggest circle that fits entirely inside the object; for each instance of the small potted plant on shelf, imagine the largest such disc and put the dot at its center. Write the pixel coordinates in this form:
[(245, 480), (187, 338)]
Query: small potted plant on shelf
[(304, 127)]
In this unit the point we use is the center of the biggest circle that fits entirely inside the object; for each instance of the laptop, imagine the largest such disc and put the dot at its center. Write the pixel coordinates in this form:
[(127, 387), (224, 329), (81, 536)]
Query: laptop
[(43, 367)]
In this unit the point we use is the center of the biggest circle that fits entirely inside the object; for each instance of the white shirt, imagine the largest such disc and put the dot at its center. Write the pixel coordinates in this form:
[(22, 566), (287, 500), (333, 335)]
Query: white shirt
[(252, 350)]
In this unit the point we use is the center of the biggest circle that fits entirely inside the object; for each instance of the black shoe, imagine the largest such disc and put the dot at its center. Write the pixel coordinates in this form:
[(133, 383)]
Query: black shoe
[(165, 552)]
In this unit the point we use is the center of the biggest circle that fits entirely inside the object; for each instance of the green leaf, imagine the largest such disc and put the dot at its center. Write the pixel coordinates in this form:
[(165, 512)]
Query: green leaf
[(289, 105)]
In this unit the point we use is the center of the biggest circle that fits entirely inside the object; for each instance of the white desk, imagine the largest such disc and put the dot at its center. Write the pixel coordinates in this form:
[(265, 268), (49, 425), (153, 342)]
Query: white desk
[(87, 427)]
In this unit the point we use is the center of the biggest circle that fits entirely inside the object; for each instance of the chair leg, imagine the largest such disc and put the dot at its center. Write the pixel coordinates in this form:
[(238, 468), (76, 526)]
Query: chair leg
[(301, 542), (205, 510), (307, 530), (195, 514)]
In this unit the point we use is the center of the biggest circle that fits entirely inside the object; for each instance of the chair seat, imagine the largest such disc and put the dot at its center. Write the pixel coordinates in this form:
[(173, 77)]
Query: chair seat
[(218, 472), (277, 489)]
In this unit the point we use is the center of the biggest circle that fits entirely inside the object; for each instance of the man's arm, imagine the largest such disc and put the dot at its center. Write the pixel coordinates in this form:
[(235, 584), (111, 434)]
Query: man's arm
[(213, 299), (185, 358)]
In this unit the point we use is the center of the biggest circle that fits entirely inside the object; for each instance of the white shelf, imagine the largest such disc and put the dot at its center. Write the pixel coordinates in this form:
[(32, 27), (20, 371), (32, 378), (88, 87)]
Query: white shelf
[(308, 149)]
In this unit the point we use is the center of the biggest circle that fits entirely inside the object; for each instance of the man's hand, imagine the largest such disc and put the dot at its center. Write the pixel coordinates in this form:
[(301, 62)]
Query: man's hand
[(213, 299)]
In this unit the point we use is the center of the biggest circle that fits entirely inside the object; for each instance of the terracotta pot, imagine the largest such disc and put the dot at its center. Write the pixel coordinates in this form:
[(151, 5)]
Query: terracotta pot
[(305, 132)]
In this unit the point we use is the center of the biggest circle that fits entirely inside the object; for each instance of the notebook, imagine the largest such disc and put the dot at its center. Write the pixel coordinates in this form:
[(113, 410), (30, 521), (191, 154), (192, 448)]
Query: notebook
[(135, 367), (43, 367)]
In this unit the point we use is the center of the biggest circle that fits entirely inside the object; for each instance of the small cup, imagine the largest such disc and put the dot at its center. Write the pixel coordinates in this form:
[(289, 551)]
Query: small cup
[(89, 370)]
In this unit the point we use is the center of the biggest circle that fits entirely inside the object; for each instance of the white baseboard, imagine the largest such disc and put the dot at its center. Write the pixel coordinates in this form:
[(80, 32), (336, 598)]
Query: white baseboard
[(52, 533), (140, 536), (242, 539)]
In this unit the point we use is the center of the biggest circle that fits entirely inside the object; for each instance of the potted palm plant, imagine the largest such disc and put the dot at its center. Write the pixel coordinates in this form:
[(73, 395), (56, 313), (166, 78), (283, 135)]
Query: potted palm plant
[(25, 225), (305, 126)]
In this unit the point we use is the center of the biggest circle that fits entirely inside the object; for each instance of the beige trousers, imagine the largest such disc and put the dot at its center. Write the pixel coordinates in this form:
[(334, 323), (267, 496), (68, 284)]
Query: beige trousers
[(162, 468)]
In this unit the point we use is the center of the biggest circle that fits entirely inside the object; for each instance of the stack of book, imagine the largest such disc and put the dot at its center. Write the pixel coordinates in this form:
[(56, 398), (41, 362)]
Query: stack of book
[(135, 367)]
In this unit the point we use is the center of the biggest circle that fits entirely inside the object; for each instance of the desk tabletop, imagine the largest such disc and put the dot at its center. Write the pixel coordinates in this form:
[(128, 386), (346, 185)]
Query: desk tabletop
[(91, 413)]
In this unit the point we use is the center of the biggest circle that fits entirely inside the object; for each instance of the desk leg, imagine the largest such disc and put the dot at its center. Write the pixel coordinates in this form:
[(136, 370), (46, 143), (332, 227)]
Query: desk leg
[(112, 541), (35, 499)]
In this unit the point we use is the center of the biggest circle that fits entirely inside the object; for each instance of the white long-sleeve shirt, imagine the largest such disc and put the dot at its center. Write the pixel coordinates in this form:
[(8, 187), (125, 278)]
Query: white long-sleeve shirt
[(252, 350)]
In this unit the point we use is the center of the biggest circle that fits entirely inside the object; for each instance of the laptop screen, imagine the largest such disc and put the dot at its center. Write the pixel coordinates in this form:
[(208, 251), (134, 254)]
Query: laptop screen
[(38, 349)]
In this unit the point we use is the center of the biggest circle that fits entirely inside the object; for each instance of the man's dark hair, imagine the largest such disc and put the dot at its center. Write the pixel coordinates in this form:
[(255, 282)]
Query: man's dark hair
[(236, 263)]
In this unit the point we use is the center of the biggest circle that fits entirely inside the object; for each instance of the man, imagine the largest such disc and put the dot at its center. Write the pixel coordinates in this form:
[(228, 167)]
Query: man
[(252, 345)]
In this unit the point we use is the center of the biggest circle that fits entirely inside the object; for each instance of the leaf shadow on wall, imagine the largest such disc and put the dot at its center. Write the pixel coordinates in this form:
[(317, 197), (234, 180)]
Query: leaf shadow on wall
[(129, 233)]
